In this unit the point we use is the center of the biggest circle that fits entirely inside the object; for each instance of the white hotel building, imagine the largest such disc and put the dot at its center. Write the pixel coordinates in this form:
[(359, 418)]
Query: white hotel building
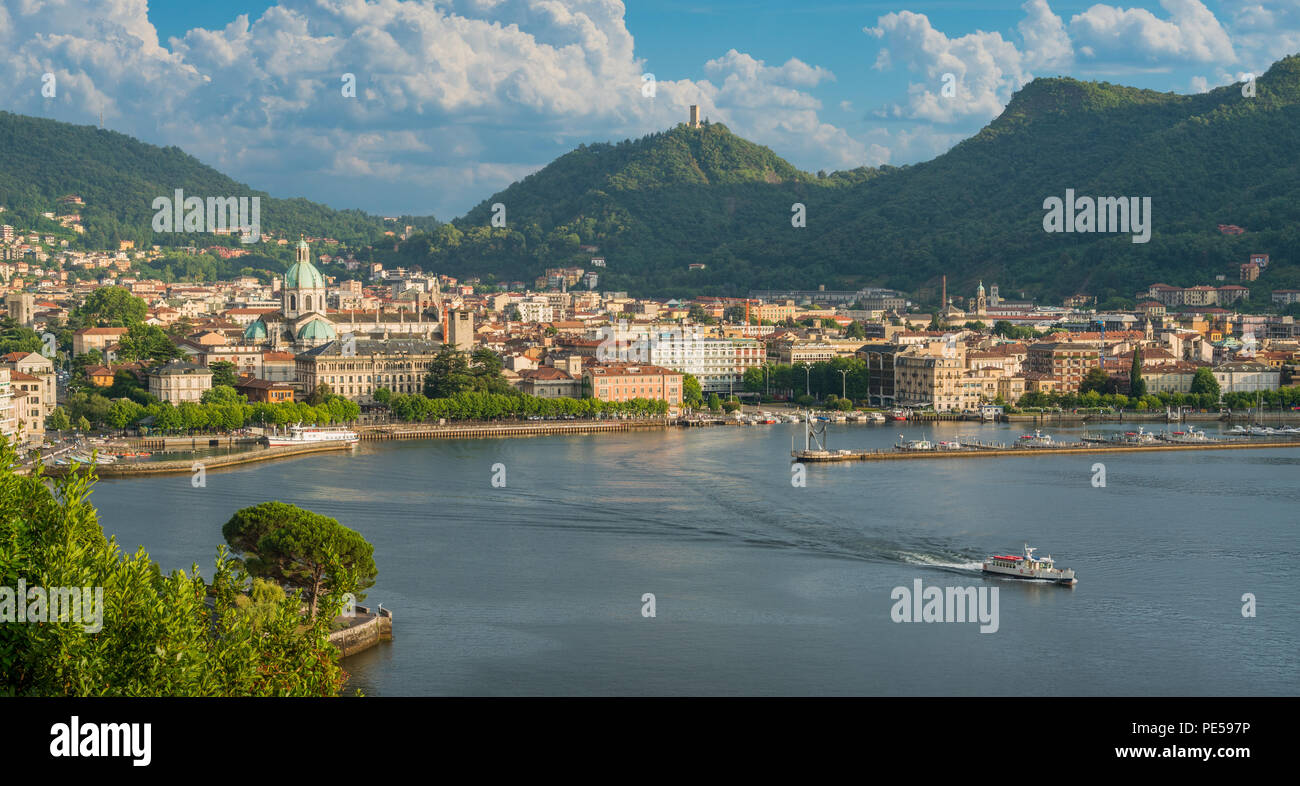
[(718, 363)]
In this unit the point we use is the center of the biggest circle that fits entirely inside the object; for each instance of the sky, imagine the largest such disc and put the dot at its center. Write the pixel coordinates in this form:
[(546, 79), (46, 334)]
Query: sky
[(456, 99)]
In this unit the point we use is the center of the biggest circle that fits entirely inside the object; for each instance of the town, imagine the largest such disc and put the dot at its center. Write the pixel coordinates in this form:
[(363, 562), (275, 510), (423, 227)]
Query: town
[(91, 344)]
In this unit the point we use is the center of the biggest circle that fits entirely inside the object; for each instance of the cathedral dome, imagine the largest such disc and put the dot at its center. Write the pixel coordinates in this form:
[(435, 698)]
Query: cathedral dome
[(316, 330), (304, 275), (256, 331)]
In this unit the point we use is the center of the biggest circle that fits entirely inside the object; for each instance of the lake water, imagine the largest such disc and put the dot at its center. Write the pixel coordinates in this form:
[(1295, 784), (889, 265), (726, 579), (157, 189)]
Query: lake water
[(764, 588)]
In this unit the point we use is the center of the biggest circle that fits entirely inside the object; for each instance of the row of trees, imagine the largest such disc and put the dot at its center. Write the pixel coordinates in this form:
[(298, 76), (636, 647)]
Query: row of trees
[(498, 406), (221, 409)]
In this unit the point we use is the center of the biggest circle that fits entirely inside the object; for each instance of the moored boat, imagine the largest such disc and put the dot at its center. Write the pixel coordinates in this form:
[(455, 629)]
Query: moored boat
[(303, 435)]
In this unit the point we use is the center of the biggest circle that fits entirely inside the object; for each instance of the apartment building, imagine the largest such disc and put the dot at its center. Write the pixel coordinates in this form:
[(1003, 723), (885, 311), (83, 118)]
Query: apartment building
[(626, 381), (934, 375), (1066, 362)]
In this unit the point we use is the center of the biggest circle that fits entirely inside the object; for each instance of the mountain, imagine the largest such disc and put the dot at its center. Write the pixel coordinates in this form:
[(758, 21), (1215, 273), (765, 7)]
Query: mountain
[(687, 195), (118, 177)]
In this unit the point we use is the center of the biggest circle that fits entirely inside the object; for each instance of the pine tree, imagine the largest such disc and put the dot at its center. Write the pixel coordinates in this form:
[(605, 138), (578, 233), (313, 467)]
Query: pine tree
[(1137, 386)]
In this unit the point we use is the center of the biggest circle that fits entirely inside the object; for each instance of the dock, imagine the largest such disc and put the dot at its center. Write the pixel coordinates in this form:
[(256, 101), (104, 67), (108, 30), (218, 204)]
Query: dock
[(490, 430), (983, 451)]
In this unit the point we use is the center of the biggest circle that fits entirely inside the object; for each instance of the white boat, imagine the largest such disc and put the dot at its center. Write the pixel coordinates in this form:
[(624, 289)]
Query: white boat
[(303, 435), (877, 417), (1027, 566), (1190, 435), (1261, 431), (914, 444), (1036, 440)]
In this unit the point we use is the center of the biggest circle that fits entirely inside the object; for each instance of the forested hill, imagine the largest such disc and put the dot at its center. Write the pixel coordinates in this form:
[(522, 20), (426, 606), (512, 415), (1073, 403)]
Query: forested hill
[(657, 204), (119, 177)]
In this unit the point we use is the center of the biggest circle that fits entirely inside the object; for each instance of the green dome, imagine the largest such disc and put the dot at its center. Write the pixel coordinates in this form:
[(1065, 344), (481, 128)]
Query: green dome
[(316, 330), (256, 330), (304, 275)]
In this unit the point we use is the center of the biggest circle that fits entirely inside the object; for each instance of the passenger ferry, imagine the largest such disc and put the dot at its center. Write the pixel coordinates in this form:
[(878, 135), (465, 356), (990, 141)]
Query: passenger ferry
[(1027, 566), (302, 435)]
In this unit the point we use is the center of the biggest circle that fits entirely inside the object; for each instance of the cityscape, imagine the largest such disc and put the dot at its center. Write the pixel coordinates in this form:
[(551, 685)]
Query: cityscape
[(426, 385)]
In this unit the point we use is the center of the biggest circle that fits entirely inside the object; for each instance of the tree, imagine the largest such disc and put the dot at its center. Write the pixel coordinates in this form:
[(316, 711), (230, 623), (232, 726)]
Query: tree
[(16, 338), (448, 374), (301, 548), (1204, 383), (715, 402), (223, 373), (147, 342), (154, 633), (59, 420), (320, 395), (1137, 386), (1096, 379), (223, 394), (83, 424), (855, 330), (692, 393), (112, 307)]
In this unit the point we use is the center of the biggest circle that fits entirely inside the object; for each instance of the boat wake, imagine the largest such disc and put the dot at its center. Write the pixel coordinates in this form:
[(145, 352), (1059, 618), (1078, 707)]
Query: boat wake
[(955, 562)]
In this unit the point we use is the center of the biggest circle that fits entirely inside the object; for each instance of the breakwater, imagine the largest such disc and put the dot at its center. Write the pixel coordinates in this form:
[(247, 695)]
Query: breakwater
[(826, 456), (187, 466), (488, 430)]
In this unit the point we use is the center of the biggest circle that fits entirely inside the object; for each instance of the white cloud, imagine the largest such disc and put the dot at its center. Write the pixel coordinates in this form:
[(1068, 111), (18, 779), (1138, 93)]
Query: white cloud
[(454, 99), (1191, 33)]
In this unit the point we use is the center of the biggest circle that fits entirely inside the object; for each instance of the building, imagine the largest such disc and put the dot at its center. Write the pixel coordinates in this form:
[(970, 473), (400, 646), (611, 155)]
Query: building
[(22, 308), (356, 372), (1066, 362), (178, 381), (264, 390), (8, 421), (40, 367), (1247, 377), (460, 325), (300, 322), (627, 381), (933, 375), (550, 382), (97, 338)]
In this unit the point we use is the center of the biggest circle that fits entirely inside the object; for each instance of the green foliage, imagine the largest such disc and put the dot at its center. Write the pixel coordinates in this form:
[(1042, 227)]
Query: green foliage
[(473, 405), (692, 391), (119, 177), (1204, 383), (109, 307), (58, 420), (223, 373), (16, 338), (703, 195), (147, 343), (302, 549), (156, 634)]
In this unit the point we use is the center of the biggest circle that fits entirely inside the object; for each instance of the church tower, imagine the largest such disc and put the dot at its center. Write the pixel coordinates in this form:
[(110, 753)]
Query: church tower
[(304, 286), (981, 302)]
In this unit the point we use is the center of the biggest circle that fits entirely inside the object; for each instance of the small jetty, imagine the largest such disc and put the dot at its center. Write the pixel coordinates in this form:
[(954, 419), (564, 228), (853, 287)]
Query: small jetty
[(815, 450), (362, 630)]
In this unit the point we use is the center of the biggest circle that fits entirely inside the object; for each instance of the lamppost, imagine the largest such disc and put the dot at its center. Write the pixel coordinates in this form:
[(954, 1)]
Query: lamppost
[(807, 377), (844, 375)]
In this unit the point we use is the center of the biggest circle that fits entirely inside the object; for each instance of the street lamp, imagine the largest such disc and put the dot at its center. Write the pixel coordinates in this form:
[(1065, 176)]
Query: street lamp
[(843, 381), (807, 377)]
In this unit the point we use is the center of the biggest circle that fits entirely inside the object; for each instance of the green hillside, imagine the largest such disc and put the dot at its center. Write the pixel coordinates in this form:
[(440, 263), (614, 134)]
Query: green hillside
[(704, 195), (119, 177)]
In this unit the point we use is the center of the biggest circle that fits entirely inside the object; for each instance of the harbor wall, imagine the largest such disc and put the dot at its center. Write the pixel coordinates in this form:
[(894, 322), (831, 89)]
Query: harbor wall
[(362, 635), (816, 457), (186, 466)]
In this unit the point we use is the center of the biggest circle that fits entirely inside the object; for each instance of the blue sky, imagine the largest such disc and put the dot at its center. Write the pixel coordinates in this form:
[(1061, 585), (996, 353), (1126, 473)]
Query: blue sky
[(455, 99)]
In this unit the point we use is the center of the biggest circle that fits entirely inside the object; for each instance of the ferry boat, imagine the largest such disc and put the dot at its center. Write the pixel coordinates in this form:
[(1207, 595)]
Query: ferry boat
[(1027, 566), (301, 435), (1036, 440)]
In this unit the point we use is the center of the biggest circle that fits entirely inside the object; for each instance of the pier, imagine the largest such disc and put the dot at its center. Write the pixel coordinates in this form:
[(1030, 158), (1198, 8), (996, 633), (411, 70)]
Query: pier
[(985, 450), (489, 430), (187, 466)]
